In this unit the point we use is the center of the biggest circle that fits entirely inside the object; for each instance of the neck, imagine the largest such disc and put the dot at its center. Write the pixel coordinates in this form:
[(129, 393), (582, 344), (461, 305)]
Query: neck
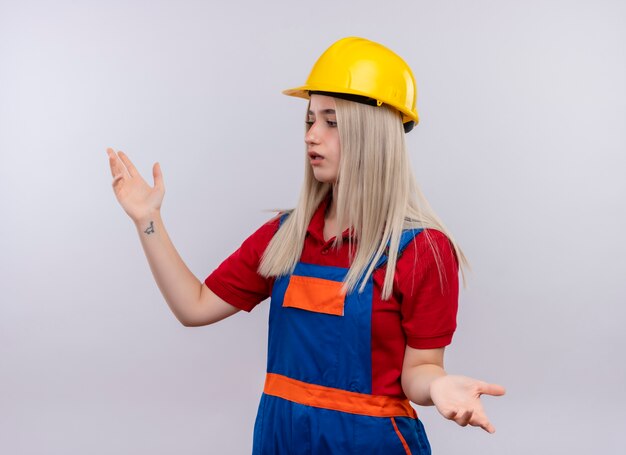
[(331, 212), (330, 217)]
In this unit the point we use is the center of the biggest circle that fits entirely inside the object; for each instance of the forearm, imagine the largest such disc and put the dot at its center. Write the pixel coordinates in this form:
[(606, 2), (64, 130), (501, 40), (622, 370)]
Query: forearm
[(180, 288), (416, 382)]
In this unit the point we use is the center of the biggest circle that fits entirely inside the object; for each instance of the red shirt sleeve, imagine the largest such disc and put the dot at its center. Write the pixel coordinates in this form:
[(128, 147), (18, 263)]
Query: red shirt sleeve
[(429, 294), (236, 279)]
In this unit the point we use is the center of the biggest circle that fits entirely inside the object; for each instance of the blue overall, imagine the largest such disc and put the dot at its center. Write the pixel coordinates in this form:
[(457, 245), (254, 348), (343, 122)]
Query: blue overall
[(332, 351)]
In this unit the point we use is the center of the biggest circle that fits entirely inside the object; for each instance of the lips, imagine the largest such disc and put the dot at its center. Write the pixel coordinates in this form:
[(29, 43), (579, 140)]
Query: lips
[(315, 155)]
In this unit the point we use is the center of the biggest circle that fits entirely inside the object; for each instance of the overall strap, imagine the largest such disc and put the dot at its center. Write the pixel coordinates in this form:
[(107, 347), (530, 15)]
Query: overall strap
[(283, 217), (406, 237)]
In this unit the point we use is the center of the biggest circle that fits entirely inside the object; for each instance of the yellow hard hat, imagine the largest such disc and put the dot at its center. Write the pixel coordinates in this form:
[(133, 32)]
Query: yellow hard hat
[(357, 66)]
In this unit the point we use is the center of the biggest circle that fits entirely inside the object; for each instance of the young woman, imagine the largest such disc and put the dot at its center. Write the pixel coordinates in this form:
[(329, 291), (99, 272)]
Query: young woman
[(363, 276)]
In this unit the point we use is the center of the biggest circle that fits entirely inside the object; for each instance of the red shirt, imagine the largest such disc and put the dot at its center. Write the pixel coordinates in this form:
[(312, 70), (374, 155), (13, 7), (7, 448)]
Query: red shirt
[(421, 311)]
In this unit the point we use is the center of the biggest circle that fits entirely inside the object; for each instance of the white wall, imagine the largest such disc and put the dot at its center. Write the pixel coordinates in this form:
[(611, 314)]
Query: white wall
[(520, 149)]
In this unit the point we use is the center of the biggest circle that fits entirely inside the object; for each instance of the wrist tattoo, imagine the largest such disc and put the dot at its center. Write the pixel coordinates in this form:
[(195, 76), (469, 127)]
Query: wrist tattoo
[(150, 229)]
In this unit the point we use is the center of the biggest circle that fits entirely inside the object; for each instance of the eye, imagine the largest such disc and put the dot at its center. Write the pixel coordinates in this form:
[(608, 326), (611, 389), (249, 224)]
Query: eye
[(308, 123), (331, 123)]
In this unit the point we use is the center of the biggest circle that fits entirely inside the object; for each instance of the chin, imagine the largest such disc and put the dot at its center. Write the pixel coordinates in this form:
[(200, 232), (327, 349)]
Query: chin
[(325, 178)]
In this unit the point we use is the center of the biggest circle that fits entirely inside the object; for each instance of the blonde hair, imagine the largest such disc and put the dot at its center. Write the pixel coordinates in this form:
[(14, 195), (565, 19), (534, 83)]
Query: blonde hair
[(377, 196)]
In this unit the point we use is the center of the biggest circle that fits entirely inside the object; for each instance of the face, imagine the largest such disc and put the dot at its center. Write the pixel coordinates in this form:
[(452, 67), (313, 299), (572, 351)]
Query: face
[(322, 138)]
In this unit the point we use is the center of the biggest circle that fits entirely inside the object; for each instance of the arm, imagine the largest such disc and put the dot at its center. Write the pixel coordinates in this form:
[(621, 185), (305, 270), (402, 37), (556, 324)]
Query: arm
[(190, 301), (420, 368), (425, 382), (429, 320)]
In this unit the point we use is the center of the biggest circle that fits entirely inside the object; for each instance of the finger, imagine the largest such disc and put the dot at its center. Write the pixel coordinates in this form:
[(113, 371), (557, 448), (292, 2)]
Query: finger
[(132, 170), (484, 424), (158, 176), (117, 179), (488, 427), (112, 161), (479, 419), (463, 418), (491, 389), (117, 166), (449, 414)]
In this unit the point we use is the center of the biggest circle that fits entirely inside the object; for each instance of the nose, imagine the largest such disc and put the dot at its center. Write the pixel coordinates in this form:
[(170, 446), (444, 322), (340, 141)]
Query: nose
[(311, 136)]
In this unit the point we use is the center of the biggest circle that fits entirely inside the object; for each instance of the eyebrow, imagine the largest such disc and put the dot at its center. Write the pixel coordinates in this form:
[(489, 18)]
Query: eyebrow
[(325, 111)]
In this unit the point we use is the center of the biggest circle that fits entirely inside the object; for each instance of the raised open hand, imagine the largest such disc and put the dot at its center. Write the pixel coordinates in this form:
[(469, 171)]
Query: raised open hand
[(137, 198), (458, 398)]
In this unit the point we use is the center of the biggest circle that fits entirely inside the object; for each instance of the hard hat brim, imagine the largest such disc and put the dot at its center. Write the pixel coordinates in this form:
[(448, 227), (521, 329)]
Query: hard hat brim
[(303, 92)]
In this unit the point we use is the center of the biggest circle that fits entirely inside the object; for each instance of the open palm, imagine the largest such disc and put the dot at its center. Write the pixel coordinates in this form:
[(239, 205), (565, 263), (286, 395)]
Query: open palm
[(458, 398), (137, 198)]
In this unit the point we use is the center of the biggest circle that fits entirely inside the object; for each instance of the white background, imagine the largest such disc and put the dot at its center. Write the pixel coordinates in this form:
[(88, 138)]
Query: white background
[(520, 150)]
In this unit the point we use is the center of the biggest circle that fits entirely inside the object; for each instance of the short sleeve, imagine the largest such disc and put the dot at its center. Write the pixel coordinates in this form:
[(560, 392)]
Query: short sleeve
[(236, 280), (428, 283)]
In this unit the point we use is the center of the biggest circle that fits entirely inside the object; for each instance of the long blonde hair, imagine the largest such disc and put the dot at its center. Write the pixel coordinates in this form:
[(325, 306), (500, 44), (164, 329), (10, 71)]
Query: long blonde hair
[(377, 196)]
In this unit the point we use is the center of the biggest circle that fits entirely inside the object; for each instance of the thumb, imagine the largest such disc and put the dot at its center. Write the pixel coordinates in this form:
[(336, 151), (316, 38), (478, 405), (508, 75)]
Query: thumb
[(158, 176), (491, 389)]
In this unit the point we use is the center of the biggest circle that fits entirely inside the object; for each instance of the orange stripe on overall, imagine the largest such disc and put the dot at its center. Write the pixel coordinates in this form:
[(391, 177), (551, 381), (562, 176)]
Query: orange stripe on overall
[(336, 399)]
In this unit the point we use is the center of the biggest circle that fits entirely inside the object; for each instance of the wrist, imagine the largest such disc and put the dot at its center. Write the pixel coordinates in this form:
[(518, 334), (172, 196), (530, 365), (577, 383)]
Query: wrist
[(436, 380), (148, 220)]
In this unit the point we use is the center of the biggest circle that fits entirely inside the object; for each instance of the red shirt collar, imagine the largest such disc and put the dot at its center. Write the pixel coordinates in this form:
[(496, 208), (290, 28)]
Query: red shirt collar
[(316, 226)]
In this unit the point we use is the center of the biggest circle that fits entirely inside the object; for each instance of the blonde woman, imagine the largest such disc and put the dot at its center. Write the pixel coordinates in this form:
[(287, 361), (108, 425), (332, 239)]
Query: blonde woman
[(362, 274)]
